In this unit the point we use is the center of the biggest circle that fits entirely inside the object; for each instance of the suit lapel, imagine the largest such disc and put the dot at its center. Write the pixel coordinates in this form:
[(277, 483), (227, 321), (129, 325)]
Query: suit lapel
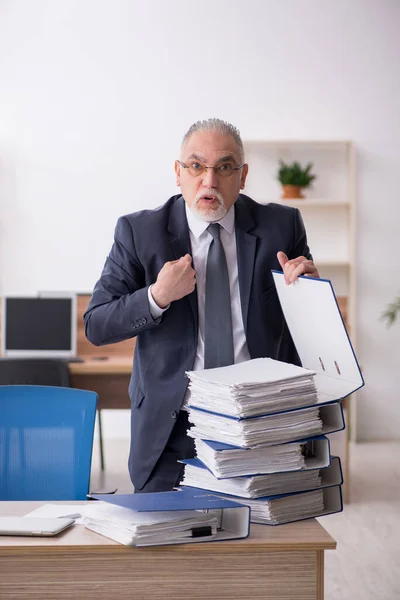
[(179, 243), (246, 249)]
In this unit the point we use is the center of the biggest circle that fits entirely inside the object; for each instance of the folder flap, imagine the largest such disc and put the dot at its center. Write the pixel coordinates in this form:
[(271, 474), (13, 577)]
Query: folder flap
[(316, 326), (333, 501), (165, 501), (319, 453), (333, 474), (332, 417)]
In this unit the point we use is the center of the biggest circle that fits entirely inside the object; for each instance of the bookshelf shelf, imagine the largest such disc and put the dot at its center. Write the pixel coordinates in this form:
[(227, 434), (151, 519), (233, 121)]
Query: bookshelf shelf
[(314, 203)]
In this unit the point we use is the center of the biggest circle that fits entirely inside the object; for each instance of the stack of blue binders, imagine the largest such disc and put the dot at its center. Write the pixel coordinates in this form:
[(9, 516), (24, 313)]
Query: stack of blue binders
[(279, 463)]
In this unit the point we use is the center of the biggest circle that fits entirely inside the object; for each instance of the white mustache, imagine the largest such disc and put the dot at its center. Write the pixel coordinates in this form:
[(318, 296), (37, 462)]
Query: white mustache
[(210, 192)]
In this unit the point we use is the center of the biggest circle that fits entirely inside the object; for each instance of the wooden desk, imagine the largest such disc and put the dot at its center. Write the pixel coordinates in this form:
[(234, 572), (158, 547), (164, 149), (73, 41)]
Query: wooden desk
[(109, 378), (274, 563)]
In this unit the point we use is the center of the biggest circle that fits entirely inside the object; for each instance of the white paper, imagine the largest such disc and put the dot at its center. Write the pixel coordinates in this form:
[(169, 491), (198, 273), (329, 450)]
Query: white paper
[(57, 511)]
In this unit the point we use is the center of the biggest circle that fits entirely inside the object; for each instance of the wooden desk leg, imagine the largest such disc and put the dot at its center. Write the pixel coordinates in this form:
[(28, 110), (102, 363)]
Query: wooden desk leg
[(101, 441), (320, 575)]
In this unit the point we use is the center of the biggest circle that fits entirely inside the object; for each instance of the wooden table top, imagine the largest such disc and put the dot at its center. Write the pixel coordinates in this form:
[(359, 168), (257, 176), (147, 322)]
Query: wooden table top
[(303, 535)]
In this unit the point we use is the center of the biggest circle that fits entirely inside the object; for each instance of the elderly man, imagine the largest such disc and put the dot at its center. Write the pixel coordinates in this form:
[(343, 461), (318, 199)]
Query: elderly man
[(192, 279)]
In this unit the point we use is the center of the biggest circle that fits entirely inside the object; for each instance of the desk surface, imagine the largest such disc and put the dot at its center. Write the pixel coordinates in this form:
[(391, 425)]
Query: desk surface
[(304, 535), (274, 563)]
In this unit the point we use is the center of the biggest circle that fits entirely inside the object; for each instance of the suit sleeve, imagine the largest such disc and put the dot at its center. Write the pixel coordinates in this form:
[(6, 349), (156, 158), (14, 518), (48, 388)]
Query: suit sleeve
[(119, 307), (300, 246)]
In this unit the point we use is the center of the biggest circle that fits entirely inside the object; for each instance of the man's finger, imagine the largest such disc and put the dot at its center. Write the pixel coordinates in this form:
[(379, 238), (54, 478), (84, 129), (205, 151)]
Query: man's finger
[(283, 259), (304, 268), (299, 270)]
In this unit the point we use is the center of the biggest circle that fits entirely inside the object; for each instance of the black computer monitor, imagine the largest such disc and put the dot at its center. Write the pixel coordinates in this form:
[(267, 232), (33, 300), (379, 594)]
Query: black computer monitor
[(42, 326)]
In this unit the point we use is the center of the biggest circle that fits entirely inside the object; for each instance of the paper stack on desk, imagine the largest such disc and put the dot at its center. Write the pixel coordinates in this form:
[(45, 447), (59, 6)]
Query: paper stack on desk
[(256, 424), (177, 517), (149, 528)]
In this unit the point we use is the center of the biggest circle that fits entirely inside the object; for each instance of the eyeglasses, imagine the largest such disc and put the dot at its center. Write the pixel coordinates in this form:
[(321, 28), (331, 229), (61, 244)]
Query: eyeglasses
[(196, 168)]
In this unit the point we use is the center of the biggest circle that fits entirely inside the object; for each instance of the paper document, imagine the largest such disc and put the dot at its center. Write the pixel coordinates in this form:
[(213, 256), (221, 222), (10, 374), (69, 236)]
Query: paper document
[(255, 387), (277, 510), (230, 461), (72, 511), (257, 431), (150, 528), (224, 460), (257, 486)]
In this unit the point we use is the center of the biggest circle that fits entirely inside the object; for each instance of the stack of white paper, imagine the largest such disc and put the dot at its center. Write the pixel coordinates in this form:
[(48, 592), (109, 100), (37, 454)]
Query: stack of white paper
[(229, 461), (255, 431), (283, 509), (255, 387), (251, 486), (150, 528)]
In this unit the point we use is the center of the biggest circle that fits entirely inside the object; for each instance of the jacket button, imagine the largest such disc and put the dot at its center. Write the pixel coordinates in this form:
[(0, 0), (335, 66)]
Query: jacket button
[(174, 414)]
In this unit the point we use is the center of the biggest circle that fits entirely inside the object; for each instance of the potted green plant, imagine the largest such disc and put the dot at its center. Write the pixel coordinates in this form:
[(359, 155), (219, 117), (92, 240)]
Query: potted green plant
[(390, 314), (294, 178)]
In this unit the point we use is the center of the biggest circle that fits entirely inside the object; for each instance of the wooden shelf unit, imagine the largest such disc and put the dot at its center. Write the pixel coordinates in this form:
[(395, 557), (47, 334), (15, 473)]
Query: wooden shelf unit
[(328, 209)]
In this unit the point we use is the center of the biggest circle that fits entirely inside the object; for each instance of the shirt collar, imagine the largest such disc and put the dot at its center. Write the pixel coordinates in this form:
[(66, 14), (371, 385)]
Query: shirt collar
[(198, 226)]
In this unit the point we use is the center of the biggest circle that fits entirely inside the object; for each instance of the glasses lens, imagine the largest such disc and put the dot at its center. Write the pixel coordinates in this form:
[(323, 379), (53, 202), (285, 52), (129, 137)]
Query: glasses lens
[(196, 168), (225, 170)]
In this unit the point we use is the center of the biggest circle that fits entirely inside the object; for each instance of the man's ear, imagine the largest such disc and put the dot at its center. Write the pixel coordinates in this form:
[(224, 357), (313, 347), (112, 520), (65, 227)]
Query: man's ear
[(245, 170), (178, 173)]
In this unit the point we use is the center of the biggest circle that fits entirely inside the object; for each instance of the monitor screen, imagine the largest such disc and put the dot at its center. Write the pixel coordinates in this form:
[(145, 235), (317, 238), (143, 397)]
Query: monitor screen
[(39, 326)]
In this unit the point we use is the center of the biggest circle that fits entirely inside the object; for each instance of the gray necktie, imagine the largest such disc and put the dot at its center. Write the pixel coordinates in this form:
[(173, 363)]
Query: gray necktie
[(218, 337)]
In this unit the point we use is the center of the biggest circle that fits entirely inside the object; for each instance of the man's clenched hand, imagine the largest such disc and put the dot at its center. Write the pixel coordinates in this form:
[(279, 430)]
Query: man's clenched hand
[(176, 279)]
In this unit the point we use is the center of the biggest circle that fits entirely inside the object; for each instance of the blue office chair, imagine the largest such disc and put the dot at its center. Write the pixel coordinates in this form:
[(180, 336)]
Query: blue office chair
[(46, 439)]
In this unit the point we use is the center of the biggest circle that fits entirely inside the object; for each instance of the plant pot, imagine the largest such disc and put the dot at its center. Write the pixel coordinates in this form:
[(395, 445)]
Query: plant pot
[(289, 192)]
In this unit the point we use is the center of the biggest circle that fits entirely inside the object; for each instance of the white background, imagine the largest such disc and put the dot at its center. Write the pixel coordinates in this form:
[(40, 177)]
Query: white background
[(95, 96)]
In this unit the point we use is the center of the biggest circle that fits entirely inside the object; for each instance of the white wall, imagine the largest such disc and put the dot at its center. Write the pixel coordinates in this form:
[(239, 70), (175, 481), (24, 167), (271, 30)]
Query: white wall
[(95, 96)]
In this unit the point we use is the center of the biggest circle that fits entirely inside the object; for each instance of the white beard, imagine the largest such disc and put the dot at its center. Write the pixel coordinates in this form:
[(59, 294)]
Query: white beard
[(209, 214)]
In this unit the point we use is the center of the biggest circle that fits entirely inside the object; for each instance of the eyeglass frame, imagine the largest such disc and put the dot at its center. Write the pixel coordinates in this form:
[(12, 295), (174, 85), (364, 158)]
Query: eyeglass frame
[(214, 168)]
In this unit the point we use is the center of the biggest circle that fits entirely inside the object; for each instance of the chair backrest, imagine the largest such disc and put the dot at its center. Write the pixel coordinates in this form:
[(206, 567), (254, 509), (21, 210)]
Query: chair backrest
[(34, 371), (46, 440)]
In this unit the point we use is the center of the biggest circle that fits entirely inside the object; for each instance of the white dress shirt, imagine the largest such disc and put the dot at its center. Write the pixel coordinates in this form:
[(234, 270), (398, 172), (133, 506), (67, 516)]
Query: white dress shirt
[(200, 241)]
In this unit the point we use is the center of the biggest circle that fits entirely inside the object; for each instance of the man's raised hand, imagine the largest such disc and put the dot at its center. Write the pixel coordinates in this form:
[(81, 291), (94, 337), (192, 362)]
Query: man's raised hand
[(296, 266)]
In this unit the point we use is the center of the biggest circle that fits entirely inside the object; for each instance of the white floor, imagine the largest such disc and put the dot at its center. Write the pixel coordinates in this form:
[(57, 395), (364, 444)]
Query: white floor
[(366, 564)]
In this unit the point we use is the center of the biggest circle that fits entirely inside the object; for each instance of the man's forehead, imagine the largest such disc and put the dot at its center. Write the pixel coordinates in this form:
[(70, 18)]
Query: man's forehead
[(203, 144)]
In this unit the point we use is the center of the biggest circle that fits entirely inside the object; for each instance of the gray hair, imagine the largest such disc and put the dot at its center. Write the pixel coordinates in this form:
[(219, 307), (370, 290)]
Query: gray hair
[(218, 126)]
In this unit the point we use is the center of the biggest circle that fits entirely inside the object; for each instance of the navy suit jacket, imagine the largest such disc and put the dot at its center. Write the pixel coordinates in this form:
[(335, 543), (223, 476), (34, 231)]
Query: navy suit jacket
[(166, 347)]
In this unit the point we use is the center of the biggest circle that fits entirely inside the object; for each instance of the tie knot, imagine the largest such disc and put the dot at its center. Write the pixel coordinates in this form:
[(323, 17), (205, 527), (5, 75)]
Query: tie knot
[(214, 229)]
